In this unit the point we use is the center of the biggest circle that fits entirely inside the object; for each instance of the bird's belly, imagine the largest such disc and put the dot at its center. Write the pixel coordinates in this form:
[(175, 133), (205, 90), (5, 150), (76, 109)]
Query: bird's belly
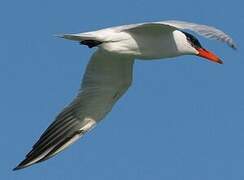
[(143, 47)]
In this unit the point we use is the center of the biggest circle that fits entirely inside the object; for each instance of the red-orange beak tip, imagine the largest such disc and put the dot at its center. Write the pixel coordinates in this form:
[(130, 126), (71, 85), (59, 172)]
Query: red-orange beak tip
[(209, 55)]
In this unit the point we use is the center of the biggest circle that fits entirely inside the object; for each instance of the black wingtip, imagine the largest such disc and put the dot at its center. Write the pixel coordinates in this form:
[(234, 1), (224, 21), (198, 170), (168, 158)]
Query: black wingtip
[(23, 164), (233, 46), (19, 167)]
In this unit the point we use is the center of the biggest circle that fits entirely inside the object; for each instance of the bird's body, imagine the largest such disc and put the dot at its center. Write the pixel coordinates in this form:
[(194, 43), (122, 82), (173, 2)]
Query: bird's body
[(148, 44), (109, 74)]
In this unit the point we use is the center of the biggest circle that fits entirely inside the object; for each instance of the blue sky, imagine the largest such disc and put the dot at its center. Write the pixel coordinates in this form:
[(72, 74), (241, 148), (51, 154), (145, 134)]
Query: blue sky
[(181, 119)]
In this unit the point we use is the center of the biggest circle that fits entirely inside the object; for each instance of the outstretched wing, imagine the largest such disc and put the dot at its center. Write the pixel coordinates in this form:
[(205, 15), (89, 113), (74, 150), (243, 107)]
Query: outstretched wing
[(106, 79), (204, 30)]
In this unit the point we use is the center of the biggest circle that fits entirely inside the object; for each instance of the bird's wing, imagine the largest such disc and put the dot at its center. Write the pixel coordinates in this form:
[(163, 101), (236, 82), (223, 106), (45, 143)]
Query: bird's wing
[(204, 30), (106, 79)]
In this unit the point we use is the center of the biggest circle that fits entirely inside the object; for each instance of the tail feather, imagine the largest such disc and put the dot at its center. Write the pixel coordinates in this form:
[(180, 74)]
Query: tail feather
[(77, 37)]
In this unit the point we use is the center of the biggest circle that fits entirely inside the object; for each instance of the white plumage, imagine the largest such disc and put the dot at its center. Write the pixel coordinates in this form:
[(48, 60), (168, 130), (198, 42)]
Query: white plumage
[(109, 74)]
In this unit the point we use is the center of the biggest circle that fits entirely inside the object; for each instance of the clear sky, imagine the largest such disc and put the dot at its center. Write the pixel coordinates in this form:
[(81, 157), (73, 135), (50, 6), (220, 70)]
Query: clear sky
[(181, 120)]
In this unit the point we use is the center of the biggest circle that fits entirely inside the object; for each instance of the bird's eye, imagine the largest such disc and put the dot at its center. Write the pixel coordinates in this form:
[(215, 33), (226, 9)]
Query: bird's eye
[(190, 41)]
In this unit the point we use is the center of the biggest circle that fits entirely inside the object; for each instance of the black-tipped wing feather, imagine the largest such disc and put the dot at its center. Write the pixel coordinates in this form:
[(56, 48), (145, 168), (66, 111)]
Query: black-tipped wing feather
[(204, 30), (107, 77)]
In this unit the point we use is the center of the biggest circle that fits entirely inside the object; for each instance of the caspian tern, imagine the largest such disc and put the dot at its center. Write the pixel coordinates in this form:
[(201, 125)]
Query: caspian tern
[(109, 74)]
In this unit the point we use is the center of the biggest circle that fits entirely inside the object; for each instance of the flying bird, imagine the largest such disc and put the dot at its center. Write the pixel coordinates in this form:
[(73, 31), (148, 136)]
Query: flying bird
[(109, 74)]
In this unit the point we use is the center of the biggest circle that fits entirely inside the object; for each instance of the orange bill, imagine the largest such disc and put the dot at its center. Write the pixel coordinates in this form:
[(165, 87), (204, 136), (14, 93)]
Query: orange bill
[(208, 55)]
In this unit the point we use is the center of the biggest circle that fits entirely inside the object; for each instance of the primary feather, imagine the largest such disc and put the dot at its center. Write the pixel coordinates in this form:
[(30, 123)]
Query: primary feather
[(106, 79)]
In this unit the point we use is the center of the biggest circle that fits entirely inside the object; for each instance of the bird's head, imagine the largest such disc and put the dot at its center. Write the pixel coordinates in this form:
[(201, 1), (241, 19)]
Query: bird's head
[(190, 45)]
